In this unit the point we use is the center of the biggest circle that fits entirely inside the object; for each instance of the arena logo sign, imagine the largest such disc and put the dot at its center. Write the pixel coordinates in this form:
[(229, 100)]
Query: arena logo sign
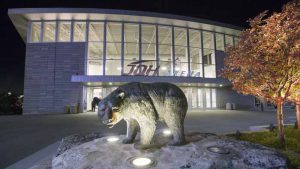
[(140, 68)]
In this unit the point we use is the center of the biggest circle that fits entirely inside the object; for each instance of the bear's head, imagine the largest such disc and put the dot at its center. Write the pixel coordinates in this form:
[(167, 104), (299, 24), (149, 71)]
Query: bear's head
[(109, 109)]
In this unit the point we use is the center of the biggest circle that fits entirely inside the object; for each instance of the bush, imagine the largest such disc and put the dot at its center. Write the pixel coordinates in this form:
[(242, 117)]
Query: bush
[(10, 104)]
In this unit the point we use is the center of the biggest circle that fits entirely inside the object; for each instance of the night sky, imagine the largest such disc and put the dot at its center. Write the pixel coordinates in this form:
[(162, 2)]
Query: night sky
[(12, 55)]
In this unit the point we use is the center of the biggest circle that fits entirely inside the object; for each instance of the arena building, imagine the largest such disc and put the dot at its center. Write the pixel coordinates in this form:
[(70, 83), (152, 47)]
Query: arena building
[(73, 55)]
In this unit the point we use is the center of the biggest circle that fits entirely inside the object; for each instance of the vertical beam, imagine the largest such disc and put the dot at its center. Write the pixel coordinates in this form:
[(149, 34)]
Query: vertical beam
[(140, 44), (214, 54), (122, 48), (56, 31), (72, 31), (173, 52), (202, 53), (188, 50), (86, 47), (42, 31), (156, 47), (104, 48)]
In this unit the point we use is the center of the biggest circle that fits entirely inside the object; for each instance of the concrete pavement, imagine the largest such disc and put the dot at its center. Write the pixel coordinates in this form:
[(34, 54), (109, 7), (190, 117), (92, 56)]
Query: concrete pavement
[(21, 136)]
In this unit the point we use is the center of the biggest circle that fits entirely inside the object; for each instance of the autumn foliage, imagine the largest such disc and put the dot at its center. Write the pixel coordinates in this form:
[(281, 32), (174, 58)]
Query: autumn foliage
[(266, 61)]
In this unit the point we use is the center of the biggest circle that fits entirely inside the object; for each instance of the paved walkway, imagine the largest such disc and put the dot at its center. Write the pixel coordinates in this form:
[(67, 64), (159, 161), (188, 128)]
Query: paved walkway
[(21, 136)]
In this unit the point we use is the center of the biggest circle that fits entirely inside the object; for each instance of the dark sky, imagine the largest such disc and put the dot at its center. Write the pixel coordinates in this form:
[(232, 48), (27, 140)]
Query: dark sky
[(12, 47)]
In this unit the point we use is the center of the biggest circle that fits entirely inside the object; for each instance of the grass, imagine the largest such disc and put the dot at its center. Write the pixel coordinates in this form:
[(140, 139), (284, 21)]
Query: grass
[(270, 139)]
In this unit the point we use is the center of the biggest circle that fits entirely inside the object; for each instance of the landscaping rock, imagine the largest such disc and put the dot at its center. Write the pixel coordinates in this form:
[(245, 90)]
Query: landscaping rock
[(203, 151)]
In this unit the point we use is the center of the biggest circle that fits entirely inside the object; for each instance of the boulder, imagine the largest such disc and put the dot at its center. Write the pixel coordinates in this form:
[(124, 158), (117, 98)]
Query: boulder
[(205, 151)]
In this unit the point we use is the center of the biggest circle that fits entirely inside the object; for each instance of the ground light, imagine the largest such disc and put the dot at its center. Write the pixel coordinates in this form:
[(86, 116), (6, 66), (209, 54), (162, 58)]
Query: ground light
[(167, 132), (112, 139), (141, 162)]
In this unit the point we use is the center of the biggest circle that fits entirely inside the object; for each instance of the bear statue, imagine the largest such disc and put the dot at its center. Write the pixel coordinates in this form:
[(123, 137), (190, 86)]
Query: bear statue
[(142, 105)]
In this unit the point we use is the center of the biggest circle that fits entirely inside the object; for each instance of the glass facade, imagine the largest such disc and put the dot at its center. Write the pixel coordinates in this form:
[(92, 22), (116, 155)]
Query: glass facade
[(121, 48)]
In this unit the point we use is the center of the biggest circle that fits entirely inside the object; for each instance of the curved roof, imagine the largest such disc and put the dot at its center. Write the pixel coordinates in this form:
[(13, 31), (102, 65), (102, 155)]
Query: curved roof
[(20, 17)]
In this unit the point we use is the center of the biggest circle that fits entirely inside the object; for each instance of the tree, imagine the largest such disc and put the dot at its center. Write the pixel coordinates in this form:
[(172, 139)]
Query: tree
[(295, 97), (266, 61)]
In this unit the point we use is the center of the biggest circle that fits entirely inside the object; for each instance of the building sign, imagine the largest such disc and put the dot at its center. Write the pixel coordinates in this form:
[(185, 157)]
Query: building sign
[(141, 68)]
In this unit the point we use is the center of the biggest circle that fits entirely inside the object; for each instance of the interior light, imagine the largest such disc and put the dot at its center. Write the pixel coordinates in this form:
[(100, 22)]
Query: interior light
[(164, 68), (112, 139), (141, 161), (220, 85), (167, 132), (206, 85), (110, 83), (189, 84)]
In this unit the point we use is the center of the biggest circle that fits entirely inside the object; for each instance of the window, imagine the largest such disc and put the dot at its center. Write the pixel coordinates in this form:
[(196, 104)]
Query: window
[(35, 35), (165, 51), (209, 55), (149, 45), (64, 31), (49, 32), (195, 53), (96, 31), (113, 32), (95, 62), (131, 45), (220, 42), (228, 40), (79, 31), (181, 58), (236, 40)]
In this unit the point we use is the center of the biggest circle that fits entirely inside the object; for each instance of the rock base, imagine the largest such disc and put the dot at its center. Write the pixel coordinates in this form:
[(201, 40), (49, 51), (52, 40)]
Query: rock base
[(203, 151)]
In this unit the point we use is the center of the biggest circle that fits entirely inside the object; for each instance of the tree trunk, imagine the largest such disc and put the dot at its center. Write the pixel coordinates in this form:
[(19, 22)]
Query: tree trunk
[(298, 114), (280, 122)]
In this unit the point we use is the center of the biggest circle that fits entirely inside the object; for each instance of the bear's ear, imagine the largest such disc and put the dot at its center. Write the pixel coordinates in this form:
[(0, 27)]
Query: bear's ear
[(121, 95)]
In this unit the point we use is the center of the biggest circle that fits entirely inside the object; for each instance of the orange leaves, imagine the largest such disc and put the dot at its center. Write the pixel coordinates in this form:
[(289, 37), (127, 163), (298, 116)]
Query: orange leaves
[(268, 53)]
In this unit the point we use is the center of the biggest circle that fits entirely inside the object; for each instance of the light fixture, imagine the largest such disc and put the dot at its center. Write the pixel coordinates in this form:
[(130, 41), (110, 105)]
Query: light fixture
[(164, 68), (9, 93), (206, 85), (221, 85), (141, 162), (189, 84), (110, 83), (112, 139), (167, 132)]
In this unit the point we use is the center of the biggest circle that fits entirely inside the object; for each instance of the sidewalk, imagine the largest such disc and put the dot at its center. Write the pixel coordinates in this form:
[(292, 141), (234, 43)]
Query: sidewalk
[(21, 136)]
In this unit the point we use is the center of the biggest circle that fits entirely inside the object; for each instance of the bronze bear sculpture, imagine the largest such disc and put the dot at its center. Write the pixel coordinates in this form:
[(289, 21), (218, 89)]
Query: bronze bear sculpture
[(142, 105)]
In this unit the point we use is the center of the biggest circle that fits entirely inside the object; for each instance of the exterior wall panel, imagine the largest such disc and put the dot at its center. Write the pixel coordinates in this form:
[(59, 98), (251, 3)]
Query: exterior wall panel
[(48, 71)]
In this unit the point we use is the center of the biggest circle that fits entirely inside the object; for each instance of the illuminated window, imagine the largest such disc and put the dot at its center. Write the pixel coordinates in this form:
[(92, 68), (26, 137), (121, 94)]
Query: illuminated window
[(64, 31), (220, 42), (228, 40), (49, 32), (181, 58), (195, 53), (35, 35), (79, 31), (95, 63), (96, 31), (131, 45), (209, 55), (165, 51), (113, 32)]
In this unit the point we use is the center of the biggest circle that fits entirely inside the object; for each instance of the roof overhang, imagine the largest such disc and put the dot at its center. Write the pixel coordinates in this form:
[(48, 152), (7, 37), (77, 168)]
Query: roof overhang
[(20, 17)]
